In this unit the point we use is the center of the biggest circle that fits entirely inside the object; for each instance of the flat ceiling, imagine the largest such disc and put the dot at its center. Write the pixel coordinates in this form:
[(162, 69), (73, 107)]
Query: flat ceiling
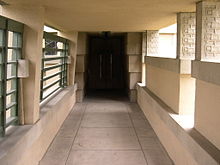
[(110, 15)]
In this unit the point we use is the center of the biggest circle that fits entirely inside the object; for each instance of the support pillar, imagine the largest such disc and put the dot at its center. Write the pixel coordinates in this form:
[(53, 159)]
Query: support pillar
[(72, 37), (144, 51), (186, 35), (206, 70), (33, 19), (208, 33), (152, 46), (81, 66), (152, 42), (134, 52), (186, 32)]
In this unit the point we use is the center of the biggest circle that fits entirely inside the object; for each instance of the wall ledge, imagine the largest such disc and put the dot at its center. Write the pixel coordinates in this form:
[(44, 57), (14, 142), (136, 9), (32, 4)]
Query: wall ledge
[(169, 64), (203, 151), (181, 66), (206, 71), (20, 140)]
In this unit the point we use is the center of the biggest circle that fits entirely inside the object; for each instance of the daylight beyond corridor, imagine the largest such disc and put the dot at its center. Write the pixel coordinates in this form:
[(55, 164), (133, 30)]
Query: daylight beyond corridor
[(106, 131)]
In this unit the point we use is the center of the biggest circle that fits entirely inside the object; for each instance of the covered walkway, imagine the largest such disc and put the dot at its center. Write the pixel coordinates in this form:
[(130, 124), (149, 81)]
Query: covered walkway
[(106, 131)]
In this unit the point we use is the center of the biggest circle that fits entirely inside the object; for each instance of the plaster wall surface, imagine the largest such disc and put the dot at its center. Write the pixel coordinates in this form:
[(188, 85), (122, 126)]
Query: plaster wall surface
[(134, 63), (165, 84), (169, 140), (29, 145), (207, 111), (72, 37), (134, 78), (134, 43), (80, 80), (134, 57), (184, 146), (187, 95), (81, 65), (33, 18)]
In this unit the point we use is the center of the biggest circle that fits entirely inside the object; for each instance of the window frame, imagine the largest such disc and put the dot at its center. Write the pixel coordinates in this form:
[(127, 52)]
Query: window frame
[(63, 66), (16, 28)]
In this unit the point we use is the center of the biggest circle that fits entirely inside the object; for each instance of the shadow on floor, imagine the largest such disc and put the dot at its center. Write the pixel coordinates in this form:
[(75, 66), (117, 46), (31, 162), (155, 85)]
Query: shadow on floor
[(108, 95)]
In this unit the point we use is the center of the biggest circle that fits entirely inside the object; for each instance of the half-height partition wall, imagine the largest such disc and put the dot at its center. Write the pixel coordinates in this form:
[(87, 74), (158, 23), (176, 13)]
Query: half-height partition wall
[(54, 64), (180, 90)]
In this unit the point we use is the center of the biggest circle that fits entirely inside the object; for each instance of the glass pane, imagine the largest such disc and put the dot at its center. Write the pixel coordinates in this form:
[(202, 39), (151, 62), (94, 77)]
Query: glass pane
[(1, 73), (1, 55), (52, 71), (10, 113), (1, 88), (52, 62), (10, 98), (19, 40), (13, 54), (11, 70), (14, 39), (47, 82), (51, 89), (67, 46), (10, 39), (2, 38), (1, 105), (61, 53), (50, 44), (11, 85), (60, 45)]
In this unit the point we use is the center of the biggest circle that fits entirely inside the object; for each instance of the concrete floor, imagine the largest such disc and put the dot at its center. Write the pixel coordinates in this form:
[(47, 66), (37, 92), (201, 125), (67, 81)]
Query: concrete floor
[(106, 131)]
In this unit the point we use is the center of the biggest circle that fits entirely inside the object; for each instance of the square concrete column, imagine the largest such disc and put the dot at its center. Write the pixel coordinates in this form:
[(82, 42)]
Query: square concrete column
[(33, 19), (144, 52), (72, 37), (186, 35), (152, 46), (81, 65), (206, 70), (207, 31), (152, 42), (134, 64)]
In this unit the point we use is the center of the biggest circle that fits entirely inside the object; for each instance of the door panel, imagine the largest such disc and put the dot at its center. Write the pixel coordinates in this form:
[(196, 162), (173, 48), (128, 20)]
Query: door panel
[(106, 64)]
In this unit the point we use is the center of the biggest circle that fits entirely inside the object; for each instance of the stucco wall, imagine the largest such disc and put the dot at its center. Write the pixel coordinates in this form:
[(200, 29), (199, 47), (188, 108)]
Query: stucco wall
[(81, 65), (187, 95), (184, 146), (28, 146), (175, 149), (165, 84), (133, 56), (207, 111)]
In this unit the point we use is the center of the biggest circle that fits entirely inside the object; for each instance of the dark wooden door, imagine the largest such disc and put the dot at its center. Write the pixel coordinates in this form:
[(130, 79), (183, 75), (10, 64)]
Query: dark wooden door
[(106, 63)]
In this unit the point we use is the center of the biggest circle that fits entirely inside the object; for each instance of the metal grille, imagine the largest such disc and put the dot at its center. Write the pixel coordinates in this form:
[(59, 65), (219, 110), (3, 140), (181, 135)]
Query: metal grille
[(54, 64), (10, 52)]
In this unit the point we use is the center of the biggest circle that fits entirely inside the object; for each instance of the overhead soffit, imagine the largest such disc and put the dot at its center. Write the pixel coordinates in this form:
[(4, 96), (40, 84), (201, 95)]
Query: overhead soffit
[(110, 15)]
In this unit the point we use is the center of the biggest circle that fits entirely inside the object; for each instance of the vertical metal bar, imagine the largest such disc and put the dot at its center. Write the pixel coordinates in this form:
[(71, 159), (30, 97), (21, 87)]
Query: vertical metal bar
[(2, 88), (18, 84), (15, 84), (2, 131), (62, 68), (65, 62), (5, 54), (62, 65), (42, 76)]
